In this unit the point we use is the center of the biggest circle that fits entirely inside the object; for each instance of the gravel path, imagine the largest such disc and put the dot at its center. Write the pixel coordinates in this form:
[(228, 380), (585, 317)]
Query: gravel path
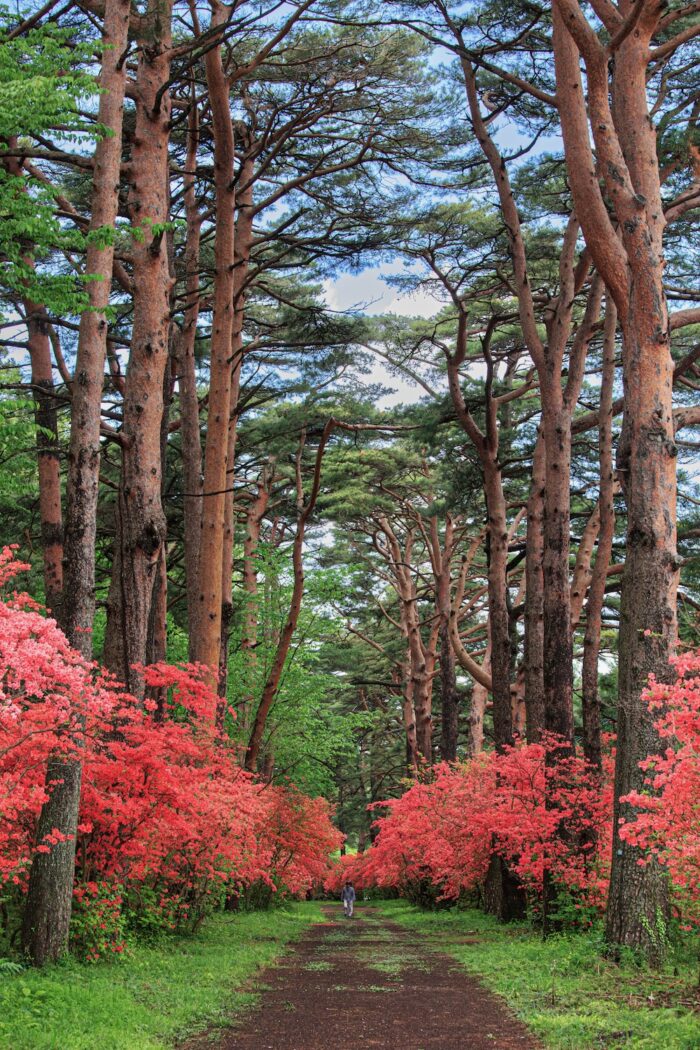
[(366, 982)]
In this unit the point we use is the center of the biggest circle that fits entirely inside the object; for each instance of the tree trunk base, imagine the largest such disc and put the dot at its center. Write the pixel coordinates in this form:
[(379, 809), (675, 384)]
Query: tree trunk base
[(504, 896), (47, 912), (639, 912)]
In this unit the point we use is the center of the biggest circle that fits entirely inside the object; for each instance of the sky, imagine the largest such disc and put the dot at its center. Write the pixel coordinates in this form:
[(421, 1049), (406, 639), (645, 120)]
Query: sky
[(370, 293)]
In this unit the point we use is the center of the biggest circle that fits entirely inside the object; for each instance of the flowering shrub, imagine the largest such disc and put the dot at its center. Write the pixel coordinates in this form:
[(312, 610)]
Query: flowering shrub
[(666, 824), (351, 866), (165, 805), (298, 839), (547, 815), (169, 822), (551, 815), (437, 832), (543, 816), (44, 687)]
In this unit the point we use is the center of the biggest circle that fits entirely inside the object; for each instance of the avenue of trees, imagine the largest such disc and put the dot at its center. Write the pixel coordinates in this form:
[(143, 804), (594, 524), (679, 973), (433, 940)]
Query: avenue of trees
[(265, 571)]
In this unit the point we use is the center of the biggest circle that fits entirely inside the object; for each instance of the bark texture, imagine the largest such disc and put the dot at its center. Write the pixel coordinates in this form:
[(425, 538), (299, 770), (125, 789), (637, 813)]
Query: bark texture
[(631, 264), (449, 696), (48, 454), (486, 445), (421, 655), (187, 380), (84, 450), (139, 518), (534, 598), (596, 594), (207, 644), (243, 243), (255, 514), (48, 908)]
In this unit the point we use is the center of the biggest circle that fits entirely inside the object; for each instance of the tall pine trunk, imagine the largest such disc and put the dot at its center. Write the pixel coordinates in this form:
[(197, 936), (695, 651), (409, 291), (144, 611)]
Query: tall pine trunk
[(207, 643), (558, 404), (48, 454), (449, 695), (243, 243), (534, 598), (596, 594), (48, 907), (250, 618), (139, 518), (631, 264), (486, 445), (186, 340), (499, 618)]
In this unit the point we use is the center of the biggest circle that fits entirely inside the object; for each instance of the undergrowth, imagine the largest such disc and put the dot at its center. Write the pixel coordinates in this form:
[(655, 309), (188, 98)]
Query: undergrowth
[(154, 994)]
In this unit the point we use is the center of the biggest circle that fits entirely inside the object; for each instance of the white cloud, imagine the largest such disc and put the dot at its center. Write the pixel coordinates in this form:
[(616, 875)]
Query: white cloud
[(369, 292)]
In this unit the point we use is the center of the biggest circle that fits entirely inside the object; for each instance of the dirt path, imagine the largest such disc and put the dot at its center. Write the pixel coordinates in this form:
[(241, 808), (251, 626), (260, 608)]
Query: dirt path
[(366, 982)]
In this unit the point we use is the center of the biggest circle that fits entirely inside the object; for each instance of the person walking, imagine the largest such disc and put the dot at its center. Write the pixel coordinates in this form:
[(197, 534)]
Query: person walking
[(348, 899)]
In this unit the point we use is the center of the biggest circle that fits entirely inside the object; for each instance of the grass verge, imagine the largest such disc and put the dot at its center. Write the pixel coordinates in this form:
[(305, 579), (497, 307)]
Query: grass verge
[(155, 995), (562, 988)]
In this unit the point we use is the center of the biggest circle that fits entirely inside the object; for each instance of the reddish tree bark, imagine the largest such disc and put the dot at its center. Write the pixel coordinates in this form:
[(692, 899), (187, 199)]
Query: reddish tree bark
[(424, 673), (441, 553), (449, 696), (187, 379), (243, 244), (486, 445), (227, 544), (596, 594), (48, 907), (481, 673), (46, 418), (207, 642), (583, 571), (558, 403), (421, 655), (477, 711), (139, 518), (630, 261), (255, 514), (157, 635), (534, 598), (408, 711), (48, 453), (517, 689)]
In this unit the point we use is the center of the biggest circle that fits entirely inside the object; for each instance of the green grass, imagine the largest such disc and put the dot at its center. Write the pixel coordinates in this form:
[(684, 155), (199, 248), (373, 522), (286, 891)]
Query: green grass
[(562, 988), (154, 996)]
